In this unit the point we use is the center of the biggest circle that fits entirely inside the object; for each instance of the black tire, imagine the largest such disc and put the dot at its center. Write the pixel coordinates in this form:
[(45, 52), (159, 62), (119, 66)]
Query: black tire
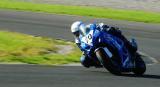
[(140, 66), (108, 63)]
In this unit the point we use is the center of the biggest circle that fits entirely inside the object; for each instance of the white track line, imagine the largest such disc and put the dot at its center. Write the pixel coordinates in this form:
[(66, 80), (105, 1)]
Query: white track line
[(154, 60)]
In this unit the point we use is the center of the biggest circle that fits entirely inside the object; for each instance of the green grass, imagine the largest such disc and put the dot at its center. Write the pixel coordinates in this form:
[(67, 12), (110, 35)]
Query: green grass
[(22, 48), (130, 15)]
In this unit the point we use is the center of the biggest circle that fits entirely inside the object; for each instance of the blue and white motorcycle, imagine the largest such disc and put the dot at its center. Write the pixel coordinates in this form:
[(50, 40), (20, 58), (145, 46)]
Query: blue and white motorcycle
[(111, 53)]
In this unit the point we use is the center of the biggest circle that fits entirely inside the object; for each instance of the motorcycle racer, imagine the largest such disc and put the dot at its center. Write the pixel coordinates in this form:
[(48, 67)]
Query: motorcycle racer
[(80, 29)]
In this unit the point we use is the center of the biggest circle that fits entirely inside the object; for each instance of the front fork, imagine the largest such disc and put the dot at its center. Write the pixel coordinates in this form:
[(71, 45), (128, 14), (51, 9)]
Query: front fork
[(109, 54)]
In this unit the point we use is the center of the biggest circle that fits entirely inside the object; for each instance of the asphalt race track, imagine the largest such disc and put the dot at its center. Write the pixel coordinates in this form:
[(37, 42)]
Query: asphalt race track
[(58, 26)]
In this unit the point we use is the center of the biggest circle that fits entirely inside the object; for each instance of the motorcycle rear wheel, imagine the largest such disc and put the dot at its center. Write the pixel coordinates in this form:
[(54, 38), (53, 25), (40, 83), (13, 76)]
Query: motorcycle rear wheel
[(140, 66)]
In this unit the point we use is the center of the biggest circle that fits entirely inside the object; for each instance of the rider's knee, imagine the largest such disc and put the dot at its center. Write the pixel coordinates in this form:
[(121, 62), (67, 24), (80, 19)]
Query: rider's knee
[(85, 61)]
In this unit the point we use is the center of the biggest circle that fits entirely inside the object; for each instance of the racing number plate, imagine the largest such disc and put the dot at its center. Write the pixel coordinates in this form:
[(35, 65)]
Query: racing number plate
[(89, 38)]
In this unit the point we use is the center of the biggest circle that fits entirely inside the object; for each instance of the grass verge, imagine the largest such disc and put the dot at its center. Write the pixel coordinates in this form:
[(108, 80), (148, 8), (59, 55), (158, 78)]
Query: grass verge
[(22, 48), (130, 15)]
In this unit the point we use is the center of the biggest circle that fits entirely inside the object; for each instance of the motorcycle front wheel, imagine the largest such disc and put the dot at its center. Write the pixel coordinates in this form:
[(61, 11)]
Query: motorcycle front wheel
[(140, 66), (109, 63)]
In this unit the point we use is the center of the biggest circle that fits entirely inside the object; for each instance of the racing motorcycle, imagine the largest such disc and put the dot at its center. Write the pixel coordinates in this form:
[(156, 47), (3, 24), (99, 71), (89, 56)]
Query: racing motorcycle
[(111, 53)]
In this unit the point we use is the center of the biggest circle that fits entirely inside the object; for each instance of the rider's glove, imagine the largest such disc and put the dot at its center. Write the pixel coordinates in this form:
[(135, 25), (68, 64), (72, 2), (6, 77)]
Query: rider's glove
[(103, 27)]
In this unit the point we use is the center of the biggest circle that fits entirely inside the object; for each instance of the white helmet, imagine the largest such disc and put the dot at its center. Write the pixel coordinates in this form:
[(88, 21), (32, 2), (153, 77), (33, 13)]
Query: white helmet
[(76, 26)]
